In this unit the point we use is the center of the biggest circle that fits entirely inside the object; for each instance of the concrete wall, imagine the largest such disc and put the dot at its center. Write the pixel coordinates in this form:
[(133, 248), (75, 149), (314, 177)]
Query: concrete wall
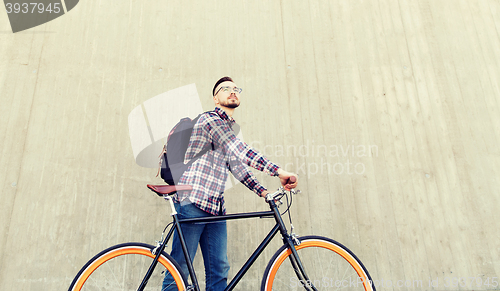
[(403, 95)]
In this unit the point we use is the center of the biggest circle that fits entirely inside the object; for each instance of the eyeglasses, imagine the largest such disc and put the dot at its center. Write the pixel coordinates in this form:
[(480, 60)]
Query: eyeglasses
[(227, 89)]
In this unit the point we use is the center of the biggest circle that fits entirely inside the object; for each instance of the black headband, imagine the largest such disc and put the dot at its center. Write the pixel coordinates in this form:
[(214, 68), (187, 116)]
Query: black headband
[(223, 79)]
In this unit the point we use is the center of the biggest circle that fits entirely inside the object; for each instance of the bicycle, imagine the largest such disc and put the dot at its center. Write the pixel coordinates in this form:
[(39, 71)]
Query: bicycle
[(313, 262)]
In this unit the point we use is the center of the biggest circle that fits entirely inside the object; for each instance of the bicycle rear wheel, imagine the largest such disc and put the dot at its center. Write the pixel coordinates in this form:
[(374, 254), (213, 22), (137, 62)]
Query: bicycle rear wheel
[(328, 265), (123, 266)]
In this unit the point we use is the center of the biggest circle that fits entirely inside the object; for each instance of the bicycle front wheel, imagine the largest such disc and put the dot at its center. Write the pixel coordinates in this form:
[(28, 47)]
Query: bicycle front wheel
[(123, 267), (328, 266)]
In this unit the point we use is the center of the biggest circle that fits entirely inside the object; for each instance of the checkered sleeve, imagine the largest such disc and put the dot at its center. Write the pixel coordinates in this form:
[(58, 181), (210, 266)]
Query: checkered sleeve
[(246, 177), (223, 136)]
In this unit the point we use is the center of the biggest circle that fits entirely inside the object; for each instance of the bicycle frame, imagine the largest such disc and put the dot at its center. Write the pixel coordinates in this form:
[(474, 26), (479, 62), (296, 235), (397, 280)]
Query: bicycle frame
[(279, 226)]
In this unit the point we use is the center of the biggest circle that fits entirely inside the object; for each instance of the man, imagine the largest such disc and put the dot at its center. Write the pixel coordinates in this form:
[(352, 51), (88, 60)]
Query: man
[(208, 177)]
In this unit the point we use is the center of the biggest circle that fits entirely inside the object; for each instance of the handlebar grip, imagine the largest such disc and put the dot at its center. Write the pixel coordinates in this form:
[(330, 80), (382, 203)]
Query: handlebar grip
[(291, 180)]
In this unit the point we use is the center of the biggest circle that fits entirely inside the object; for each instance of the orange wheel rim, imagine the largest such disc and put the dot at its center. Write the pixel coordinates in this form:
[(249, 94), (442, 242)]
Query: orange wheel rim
[(316, 243), (124, 251)]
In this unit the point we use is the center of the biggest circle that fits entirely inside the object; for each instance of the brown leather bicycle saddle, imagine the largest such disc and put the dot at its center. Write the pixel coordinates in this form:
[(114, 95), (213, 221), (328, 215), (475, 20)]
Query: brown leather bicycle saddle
[(169, 189)]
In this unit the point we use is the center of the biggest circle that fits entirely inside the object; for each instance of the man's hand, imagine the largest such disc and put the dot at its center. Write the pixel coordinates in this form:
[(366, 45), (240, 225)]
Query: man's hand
[(264, 193), (285, 179)]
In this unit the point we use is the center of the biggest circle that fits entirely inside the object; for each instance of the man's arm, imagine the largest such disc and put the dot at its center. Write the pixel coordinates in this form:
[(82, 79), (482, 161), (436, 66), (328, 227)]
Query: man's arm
[(245, 176), (241, 172), (238, 151), (223, 136)]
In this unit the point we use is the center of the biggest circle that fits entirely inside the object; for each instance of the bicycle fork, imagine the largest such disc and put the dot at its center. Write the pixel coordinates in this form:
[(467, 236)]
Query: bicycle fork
[(294, 258), (158, 250), (299, 268)]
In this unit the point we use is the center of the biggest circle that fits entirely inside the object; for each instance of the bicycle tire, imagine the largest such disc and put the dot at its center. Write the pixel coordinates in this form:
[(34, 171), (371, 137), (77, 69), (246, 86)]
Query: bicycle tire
[(123, 266), (328, 264)]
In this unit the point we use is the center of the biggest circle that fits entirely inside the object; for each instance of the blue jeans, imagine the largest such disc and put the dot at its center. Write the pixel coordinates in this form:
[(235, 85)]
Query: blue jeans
[(212, 238)]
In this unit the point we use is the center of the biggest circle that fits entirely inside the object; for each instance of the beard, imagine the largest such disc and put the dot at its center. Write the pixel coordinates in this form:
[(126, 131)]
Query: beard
[(231, 104)]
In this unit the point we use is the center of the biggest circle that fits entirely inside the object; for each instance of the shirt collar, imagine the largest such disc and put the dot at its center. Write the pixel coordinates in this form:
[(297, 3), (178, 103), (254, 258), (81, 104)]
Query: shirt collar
[(224, 115)]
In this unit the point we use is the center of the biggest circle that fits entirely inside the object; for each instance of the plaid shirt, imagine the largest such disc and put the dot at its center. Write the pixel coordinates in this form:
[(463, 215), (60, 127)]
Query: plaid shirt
[(208, 174)]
